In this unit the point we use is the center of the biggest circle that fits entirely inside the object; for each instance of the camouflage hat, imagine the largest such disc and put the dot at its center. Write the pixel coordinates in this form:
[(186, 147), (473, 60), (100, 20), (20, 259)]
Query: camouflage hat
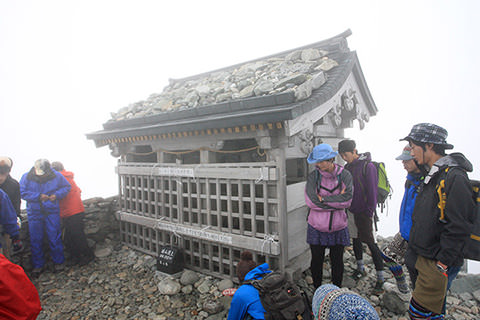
[(429, 133)]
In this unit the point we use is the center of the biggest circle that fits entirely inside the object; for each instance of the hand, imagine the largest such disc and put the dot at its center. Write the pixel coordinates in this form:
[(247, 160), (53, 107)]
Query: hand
[(320, 198), (44, 197), (17, 246), (443, 268), (53, 197)]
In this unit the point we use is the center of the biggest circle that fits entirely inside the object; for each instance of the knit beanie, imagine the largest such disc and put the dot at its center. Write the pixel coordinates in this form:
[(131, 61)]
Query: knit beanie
[(332, 303), (245, 264)]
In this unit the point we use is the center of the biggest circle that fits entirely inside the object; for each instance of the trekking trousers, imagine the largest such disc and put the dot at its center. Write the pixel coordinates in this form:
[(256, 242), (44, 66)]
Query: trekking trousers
[(38, 224)]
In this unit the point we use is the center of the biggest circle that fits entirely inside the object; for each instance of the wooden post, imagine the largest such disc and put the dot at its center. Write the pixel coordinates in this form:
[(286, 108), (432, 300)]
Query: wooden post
[(278, 155)]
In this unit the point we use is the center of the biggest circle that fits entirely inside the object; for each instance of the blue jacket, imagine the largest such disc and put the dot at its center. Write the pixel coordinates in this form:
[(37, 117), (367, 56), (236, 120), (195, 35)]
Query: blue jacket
[(8, 216), (246, 299), (32, 186), (408, 202)]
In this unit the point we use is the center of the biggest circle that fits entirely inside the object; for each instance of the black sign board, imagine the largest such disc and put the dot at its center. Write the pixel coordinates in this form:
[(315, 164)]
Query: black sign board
[(170, 260)]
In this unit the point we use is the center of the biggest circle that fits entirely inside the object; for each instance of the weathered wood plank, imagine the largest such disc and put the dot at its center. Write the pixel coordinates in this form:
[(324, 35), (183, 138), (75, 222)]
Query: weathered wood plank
[(295, 196), (258, 172), (248, 243)]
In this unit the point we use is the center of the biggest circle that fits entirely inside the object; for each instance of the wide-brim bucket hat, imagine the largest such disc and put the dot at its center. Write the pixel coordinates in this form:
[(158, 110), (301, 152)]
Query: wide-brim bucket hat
[(429, 133), (321, 152)]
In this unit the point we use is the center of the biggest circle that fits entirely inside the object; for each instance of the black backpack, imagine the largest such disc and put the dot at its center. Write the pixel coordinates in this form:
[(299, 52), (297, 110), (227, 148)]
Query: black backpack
[(281, 298), (472, 247), (472, 250)]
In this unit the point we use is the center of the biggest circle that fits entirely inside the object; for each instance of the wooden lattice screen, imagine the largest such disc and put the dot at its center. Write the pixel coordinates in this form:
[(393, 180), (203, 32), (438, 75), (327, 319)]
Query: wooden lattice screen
[(211, 211)]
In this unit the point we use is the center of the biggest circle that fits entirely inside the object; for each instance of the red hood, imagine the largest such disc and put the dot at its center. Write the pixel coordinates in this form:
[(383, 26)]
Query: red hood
[(67, 174)]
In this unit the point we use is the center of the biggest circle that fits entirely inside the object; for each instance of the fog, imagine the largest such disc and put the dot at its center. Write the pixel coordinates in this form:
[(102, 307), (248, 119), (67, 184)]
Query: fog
[(65, 65)]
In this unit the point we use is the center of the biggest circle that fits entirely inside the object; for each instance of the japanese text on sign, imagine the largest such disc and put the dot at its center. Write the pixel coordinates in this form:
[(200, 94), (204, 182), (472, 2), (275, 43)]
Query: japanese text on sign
[(212, 236)]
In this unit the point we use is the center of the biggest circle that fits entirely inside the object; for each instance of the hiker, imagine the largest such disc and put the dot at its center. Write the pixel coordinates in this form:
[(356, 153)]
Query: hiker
[(8, 222), (19, 298), (328, 193), (245, 264), (332, 303), (437, 238), (394, 253), (42, 188), (72, 213), (12, 189), (246, 302), (362, 210), (8, 184)]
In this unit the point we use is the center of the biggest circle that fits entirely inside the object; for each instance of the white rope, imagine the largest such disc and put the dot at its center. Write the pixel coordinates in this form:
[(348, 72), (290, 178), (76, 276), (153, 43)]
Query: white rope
[(152, 169), (261, 178), (267, 238)]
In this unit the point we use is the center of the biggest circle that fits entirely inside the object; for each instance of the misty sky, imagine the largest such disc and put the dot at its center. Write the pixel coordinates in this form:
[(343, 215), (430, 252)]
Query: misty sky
[(65, 65)]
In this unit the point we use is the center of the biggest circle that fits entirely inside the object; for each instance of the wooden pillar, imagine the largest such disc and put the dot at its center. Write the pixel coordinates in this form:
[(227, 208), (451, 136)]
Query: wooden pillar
[(278, 155), (160, 157), (207, 156)]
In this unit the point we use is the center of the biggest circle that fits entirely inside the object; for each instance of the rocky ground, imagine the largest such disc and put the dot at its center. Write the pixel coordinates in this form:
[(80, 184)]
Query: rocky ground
[(124, 284)]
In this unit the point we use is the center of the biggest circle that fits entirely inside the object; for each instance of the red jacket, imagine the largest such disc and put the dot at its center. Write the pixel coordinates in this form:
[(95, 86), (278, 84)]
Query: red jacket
[(18, 296), (72, 203)]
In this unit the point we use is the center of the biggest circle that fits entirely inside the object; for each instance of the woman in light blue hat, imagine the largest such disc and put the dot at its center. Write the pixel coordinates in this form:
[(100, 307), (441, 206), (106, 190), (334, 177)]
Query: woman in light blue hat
[(328, 193)]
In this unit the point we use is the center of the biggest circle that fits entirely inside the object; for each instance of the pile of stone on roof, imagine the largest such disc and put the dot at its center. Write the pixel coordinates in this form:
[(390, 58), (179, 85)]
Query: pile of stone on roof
[(300, 71)]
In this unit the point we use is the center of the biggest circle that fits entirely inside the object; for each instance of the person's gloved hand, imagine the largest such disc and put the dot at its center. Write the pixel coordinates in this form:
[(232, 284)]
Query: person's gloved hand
[(17, 246)]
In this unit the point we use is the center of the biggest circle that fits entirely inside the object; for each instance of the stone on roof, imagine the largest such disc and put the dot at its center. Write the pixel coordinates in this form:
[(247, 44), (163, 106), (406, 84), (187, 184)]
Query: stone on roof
[(300, 71)]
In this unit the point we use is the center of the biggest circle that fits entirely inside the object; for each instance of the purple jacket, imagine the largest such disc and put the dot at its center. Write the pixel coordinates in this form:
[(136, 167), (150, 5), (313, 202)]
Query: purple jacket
[(365, 185), (328, 215)]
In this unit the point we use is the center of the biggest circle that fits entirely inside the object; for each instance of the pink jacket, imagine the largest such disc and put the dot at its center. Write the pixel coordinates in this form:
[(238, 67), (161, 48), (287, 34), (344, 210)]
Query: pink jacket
[(336, 190)]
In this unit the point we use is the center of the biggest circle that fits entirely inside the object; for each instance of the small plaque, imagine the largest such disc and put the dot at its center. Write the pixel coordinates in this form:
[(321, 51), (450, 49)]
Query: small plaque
[(170, 260)]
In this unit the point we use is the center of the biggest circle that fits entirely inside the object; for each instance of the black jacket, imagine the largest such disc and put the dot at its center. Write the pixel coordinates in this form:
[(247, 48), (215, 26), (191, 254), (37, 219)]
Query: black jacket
[(12, 189), (443, 240)]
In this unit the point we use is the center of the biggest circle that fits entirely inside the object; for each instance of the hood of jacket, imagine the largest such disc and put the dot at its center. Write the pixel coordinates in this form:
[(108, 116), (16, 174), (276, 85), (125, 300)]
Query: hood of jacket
[(455, 159), (366, 156), (49, 175), (257, 272), (67, 174)]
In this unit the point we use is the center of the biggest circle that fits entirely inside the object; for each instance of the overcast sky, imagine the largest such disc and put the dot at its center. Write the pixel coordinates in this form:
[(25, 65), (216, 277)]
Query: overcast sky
[(65, 65)]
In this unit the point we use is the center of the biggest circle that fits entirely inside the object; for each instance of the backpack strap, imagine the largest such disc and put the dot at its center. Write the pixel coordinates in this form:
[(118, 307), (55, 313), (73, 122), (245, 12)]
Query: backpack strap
[(442, 196), (319, 183), (364, 173)]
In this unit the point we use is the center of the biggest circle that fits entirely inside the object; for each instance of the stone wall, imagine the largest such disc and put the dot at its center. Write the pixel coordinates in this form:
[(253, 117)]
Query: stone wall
[(102, 229)]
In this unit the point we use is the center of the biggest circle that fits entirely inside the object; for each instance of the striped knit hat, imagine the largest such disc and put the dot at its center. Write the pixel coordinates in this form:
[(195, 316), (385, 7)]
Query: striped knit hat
[(332, 303)]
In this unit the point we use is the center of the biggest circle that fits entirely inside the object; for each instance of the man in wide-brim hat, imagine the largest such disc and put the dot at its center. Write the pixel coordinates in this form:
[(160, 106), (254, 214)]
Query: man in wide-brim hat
[(438, 236)]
